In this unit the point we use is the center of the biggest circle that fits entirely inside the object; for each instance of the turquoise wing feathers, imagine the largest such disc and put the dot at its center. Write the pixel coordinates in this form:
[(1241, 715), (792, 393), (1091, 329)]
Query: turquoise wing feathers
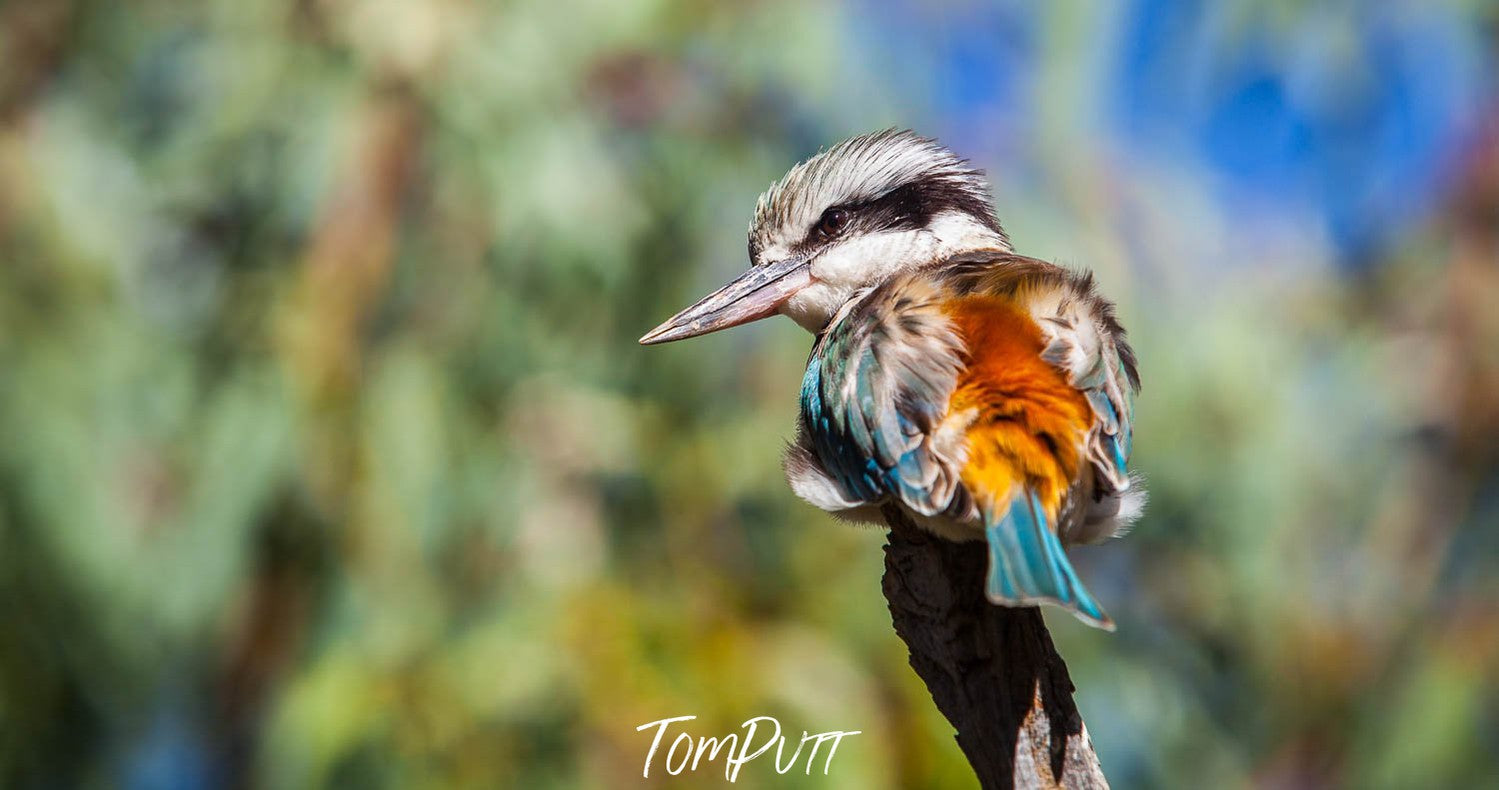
[(875, 391)]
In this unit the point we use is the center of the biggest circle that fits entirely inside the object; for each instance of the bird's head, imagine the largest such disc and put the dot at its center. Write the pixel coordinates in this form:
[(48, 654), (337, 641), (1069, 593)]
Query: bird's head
[(847, 219)]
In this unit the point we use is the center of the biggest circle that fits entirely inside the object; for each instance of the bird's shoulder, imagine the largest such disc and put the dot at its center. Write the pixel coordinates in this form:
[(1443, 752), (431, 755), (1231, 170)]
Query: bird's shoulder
[(1078, 323)]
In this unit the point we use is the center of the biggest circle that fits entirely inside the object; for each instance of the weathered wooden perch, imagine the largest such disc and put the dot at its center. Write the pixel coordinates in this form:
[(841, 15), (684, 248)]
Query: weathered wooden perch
[(992, 670)]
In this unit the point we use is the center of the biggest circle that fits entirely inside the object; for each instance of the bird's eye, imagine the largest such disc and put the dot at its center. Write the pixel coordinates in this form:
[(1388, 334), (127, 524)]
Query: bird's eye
[(833, 221)]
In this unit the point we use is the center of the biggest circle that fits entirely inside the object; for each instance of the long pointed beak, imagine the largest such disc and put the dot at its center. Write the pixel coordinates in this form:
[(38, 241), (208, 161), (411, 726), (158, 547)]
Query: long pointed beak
[(756, 294)]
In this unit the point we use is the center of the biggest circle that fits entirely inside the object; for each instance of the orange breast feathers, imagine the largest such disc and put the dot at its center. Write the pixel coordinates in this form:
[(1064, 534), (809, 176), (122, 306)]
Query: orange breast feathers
[(1029, 425)]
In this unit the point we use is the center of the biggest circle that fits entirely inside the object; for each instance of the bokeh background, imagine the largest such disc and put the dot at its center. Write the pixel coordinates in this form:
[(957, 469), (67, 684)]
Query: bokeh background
[(328, 459)]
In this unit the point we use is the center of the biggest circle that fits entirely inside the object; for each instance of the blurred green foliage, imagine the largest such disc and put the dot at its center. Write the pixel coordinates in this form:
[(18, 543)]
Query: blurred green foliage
[(329, 459)]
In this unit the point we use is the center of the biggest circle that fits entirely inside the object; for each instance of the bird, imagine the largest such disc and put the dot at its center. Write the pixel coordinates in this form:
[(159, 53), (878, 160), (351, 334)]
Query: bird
[(987, 394)]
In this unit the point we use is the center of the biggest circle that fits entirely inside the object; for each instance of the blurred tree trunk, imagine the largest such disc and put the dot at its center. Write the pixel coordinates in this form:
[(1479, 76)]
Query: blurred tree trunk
[(992, 670)]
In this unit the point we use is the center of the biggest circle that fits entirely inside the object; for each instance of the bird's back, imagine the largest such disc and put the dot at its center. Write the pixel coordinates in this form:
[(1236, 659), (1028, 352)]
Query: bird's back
[(969, 393), (1025, 423)]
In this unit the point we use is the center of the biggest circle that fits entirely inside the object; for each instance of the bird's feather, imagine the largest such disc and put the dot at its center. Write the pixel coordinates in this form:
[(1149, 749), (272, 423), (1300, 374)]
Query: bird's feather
[(1027, 565), (875, 393)]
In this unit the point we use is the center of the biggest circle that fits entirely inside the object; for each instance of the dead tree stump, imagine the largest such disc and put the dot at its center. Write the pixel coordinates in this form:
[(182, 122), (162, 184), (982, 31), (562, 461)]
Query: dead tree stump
[(992, 670)]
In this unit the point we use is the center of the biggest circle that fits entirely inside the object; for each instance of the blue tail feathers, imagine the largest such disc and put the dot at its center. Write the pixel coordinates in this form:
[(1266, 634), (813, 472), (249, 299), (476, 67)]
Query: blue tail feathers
[(1027, 565)]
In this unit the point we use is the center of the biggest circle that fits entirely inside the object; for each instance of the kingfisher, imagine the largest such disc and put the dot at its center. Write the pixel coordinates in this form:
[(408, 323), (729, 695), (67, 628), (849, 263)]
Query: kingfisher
[(987, 394)]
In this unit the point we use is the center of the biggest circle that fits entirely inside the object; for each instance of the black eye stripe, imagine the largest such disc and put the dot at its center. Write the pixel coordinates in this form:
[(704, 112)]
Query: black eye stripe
[(909, 207), (904, 207)]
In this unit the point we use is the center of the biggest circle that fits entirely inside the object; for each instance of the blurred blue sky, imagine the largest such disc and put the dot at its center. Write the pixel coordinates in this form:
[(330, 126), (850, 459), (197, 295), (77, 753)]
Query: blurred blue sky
[(1350, 111)]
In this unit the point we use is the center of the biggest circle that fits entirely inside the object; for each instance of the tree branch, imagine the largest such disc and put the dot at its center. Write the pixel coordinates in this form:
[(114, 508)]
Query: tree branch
[(992, 670)]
